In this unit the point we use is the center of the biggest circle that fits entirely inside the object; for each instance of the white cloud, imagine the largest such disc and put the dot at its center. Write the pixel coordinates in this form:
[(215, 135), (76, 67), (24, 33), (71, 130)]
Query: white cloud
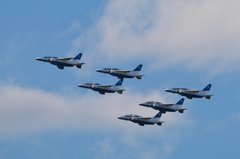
[(28, 110), (105, 149), (198, 34)]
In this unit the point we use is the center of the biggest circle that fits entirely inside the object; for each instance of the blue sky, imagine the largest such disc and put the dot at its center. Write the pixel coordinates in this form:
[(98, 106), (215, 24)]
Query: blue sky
[(43, 114)]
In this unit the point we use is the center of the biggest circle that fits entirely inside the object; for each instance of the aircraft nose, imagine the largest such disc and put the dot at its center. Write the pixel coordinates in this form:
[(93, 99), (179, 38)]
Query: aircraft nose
[(81, 85), (99, 70), (121, 117), (168, 90), (39, 58), (42, 59), (143, 104)]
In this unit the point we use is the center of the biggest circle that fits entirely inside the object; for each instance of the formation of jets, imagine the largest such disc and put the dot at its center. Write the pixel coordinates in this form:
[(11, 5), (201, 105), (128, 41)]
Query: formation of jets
[(121, 74), (163, 108)]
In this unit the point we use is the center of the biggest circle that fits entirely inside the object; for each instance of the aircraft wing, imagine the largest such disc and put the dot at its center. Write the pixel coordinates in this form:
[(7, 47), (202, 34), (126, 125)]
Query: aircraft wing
[(123, 71), (166, 105), (144, 118), (60, 67), (192, 91), (65, 58), (104, 86)]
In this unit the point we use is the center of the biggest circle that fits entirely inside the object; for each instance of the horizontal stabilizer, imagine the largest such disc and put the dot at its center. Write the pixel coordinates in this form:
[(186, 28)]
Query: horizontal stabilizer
[(120, 91), (181, 110), (139, 76), (160, 123), (79, 65), (208, 96)]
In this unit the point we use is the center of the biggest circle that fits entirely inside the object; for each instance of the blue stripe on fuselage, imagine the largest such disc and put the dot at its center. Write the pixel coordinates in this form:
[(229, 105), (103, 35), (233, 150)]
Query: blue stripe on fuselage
[(164, 109), (191, 95), (103, 90), (61, 63), (142, 122), (121, 75)]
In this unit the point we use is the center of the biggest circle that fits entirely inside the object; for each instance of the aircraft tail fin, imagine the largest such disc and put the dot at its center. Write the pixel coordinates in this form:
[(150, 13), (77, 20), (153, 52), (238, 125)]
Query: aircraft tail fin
[(138, 68), (207, 88), (78, 57), (180, 102), (158, 115), (119, 83)]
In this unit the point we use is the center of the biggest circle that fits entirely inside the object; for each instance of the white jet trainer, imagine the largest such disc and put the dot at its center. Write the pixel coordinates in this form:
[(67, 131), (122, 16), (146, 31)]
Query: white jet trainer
[(191, 93), (122, 73), (143, 120), (165, 107), (102, 89), (62, 62)]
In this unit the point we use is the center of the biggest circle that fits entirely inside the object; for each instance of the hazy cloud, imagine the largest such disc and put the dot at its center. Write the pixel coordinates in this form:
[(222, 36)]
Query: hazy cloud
[(29, 110), (197, 34)]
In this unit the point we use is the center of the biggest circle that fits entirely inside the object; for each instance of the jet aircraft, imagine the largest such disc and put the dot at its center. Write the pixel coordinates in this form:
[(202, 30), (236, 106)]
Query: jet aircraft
[(143, 120), (165, 107), (102, 89), (122, 73), (191, 93), (62, 62)]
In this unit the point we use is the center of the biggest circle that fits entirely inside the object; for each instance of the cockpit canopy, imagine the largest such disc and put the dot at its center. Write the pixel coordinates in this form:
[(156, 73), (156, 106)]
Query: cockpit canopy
[(92, 84), (179, 88), (50, 57), (153, 102), (132, 115), (110, 68)]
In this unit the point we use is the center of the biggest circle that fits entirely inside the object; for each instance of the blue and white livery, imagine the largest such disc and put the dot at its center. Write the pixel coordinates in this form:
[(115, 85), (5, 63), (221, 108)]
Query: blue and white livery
[(62, 62), (122, 73), (191, 93), (165, 107), (143, 120), (102, 89)]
